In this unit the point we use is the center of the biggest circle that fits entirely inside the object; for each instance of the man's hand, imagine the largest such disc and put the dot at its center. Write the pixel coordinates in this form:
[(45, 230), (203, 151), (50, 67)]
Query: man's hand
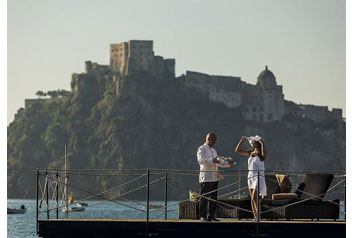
[(231, 161), (216, 161)]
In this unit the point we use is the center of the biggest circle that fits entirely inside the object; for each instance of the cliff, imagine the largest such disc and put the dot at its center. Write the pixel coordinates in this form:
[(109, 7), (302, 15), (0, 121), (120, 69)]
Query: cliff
[(154, 123)]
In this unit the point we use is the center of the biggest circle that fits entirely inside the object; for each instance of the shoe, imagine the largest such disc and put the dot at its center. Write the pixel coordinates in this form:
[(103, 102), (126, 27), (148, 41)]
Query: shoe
[(212, 218), (203, 219)]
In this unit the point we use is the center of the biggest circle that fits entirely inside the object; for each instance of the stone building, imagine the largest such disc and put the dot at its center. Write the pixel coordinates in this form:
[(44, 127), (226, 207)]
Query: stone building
[(137, 56), (313, 112), (126, 57), (261, 102), (265, 100)]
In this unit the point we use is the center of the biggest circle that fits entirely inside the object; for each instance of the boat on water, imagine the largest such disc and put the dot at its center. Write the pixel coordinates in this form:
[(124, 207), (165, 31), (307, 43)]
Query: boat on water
[(75, 209), (82, 204), (21, 210)]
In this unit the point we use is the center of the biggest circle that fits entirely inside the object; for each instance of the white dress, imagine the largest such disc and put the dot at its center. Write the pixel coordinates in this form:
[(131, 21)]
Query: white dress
[(255, 165)]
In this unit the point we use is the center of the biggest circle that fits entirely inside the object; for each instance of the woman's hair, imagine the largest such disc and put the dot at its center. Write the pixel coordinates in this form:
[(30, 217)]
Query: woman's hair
[(259, 147)]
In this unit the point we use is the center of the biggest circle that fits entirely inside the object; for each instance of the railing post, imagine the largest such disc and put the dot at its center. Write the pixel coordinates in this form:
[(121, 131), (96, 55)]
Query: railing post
[(239, 184), (258, 190), (165, 195), (66, 183), (147, 202), (37, 200), (57, 194), (345, 198), (46, 193)]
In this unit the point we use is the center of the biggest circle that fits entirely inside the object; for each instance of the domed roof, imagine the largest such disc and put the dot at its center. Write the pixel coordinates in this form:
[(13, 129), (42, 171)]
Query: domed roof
[(266, 78)]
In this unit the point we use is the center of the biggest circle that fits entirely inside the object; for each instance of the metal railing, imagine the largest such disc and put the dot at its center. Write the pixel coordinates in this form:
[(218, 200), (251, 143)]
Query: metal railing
[(52, 187)]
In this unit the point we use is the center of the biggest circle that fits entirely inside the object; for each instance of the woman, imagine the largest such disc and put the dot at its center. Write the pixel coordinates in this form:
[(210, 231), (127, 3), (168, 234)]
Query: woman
[(256, 157)]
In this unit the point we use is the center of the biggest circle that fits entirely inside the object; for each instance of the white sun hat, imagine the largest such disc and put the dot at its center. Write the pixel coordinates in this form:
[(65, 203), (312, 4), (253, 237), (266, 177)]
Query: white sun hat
[(253, 138)]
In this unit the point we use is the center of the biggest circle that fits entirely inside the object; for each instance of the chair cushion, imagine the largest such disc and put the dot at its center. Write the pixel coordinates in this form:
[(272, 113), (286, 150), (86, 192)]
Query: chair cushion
[(314, 185), (282, 196), (284, 183)]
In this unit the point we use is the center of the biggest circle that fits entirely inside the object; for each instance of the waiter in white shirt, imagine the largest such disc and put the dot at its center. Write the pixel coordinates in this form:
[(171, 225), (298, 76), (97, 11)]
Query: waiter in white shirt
[(207, 159)]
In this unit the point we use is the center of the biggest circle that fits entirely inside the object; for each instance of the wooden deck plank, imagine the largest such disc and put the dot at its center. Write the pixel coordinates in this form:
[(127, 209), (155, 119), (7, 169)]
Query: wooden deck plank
[(198, 221)]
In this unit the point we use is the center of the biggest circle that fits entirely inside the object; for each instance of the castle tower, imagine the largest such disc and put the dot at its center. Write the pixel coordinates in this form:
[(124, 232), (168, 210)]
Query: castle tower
[(265, 100), (131, 56), (272, 103)]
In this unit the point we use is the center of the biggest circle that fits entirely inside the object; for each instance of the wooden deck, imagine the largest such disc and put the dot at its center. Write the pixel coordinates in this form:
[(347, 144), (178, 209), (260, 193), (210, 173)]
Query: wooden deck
[(189, 228)]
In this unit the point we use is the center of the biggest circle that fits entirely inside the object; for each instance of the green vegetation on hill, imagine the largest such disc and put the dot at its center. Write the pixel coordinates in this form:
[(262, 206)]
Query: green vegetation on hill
[(153, 123)]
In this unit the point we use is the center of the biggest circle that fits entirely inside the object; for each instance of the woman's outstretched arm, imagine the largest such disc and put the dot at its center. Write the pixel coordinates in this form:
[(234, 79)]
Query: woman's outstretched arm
[(241, 151), (264, 152)]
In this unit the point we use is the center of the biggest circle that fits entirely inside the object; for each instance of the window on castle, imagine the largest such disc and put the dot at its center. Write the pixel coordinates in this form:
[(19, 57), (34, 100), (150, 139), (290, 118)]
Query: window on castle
[(141, 60), (133, 46), (148, 53), (141, 53), (254, 109), (148, 61)]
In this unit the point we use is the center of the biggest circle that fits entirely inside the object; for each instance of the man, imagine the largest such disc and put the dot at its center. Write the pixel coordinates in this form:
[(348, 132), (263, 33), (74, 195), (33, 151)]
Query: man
[(208, 176)]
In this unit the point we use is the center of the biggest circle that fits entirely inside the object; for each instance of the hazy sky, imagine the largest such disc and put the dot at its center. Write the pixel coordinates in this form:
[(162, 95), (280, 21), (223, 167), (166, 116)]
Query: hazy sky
[(301, 41)]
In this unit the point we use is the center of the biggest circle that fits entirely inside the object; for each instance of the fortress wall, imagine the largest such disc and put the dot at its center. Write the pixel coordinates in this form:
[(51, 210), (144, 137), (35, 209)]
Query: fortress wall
[(137, 56), (230, 99), (118, 57), (93, 67), (337, 114), (199, 81), (170, 65), (316, 113), (142, 55)]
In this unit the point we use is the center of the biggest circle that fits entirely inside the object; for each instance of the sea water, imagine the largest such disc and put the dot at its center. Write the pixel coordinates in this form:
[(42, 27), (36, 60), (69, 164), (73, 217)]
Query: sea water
[(24, 225)]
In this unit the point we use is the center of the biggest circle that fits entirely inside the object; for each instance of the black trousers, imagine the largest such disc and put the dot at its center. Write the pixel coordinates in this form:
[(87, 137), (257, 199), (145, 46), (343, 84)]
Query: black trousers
[(203, 202)]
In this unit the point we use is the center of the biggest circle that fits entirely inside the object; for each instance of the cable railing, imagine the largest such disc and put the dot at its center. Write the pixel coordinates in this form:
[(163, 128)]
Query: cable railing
[(53, 186)]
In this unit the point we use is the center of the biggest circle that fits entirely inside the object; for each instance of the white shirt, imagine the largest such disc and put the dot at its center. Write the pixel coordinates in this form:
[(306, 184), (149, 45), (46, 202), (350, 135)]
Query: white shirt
[(205, 157)]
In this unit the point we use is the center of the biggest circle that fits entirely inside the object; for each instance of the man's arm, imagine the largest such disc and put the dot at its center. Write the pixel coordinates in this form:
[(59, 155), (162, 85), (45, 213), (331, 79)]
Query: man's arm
[(203, 159)]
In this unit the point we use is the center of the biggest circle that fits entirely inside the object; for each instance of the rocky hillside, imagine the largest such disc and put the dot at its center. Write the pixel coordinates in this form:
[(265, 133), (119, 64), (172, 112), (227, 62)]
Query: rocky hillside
[(153, 123)]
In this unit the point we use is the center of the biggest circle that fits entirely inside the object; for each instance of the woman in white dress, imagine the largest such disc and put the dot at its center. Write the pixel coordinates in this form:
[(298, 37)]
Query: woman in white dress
[(256, 157)]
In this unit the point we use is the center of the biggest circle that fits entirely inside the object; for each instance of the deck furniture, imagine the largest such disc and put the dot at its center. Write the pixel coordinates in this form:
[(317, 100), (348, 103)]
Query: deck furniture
[(306, 203)]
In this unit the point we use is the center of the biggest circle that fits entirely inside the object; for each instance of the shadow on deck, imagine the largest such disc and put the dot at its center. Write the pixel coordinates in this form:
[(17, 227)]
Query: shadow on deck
[(188, 228)]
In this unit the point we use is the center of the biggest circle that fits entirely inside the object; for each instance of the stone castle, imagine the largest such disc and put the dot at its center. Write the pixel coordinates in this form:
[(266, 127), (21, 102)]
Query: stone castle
[(263, 101), (138, 55)]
